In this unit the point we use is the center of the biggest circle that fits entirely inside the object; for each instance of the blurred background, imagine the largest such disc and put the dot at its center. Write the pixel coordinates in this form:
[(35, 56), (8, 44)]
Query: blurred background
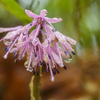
[(81, 80)]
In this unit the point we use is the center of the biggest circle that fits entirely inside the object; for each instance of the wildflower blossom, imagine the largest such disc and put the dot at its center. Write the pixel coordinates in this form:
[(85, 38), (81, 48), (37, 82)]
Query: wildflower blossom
[(47, 53)]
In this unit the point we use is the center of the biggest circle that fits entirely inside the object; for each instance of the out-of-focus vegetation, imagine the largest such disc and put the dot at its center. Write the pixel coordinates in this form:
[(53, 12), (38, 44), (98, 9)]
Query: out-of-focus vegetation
[(81, 21)]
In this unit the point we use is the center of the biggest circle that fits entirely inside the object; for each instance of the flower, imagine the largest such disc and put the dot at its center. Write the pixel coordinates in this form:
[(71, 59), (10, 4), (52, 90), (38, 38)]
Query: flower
[(39, 53)]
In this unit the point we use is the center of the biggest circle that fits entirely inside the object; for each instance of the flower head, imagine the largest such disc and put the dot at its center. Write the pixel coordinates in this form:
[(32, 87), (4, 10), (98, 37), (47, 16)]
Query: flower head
[(39, 53)]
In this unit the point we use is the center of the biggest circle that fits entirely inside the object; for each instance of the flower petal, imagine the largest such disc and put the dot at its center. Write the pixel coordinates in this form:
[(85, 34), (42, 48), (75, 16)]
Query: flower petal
[(31, 14), (9, 29), (57, 59), (49, 32), (43, 13), (60, 37), (10, 35), (53, 20), (72, 41)]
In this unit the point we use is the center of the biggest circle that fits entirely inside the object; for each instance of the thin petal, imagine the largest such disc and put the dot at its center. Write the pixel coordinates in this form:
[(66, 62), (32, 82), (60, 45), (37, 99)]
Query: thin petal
[(35, 61), (12, 50), (49, 32), (57, 59), (60, 37), (9, 29), (43, 13), (72, 41), (21, 44), (53, 20), (30, 13), (68, 46)]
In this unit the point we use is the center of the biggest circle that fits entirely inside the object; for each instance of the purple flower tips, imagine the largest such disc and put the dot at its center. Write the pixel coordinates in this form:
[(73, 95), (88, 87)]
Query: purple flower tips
[(6, 48), (67, 53), (15, 56), (35, 54), (33, 72), (73, 52), (14, 52), (57, 71), (31, 24), (54, 72), (16, 60), (65, 67), (49, 56), (41, 63), (54, 30), (70, 55)]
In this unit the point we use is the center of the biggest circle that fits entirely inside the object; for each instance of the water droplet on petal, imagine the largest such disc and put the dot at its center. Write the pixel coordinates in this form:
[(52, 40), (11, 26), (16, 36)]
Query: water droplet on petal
[(6, 41), (68, 60), (26, 64), (30, 69)]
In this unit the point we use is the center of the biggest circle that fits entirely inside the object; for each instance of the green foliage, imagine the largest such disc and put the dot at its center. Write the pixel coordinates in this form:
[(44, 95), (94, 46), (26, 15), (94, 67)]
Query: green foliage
[(13, 7)]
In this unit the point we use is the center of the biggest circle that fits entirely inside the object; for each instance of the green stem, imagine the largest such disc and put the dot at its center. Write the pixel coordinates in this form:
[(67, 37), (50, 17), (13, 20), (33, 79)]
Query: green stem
[(36, 88)]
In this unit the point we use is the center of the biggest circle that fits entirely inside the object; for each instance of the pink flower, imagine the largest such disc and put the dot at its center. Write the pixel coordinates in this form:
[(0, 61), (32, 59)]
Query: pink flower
[(47, 53)]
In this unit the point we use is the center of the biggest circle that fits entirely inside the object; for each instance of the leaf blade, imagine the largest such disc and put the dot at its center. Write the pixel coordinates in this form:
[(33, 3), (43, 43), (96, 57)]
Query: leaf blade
[(13, 7)]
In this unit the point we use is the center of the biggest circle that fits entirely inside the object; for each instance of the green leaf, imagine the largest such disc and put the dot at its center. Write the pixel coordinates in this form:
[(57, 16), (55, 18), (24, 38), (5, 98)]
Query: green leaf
[(13, 7)]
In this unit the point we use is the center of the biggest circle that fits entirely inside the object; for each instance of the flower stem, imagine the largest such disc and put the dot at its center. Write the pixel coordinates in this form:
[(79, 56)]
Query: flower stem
[(36, 88)]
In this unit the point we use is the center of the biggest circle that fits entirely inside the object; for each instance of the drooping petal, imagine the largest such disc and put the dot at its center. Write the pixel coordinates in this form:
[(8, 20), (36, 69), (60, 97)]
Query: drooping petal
[(60, 37), (73, 42), (20, 38), (49, 32), (21, 44), (64, 54), (5, 56), (35, 61), (68, 46), (56, 58), (30, 60), (52, 77), (9, 29), (12, 50)]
